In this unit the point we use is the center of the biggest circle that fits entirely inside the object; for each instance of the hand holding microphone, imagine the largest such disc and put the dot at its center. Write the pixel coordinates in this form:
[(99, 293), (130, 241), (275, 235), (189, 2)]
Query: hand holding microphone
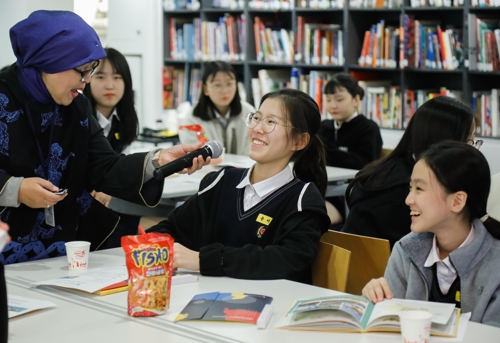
[(211, 149)]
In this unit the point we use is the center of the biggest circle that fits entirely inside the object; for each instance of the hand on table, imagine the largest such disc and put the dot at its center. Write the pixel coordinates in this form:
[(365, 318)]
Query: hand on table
[(377, 290), (177, 151), (36, 192), (186, 258)]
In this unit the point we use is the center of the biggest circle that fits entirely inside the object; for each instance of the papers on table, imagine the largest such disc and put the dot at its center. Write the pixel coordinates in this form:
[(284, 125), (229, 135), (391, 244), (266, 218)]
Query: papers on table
[(17, 305), (98, 281)]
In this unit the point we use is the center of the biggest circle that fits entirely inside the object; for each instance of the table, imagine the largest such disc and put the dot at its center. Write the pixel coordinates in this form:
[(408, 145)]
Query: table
[(180, 187), (86, 318)]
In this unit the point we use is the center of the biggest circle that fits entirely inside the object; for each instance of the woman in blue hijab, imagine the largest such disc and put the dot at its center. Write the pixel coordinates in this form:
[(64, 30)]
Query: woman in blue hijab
[(50, 141)]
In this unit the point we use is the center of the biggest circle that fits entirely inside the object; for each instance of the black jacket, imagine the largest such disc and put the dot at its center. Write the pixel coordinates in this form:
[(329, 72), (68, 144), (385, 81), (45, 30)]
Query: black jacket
[(4, 320), (354, 145), (378, 209), (285, 250)]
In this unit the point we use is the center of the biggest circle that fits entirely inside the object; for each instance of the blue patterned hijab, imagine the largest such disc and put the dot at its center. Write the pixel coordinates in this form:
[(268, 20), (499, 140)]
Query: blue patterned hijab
[(51, 42)]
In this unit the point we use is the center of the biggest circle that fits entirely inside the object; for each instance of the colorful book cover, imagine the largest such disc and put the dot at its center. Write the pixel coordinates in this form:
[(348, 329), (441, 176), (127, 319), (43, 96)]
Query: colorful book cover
[(234, 307)]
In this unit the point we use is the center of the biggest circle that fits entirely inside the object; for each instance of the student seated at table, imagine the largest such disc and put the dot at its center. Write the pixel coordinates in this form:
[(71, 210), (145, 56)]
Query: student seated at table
[(451, 255), (351, 140), (219, 111), (264, 222), (376, 197)]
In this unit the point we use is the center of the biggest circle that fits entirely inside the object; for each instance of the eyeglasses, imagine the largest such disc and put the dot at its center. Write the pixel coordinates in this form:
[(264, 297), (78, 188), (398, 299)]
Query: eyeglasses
[(220, 87), (475, 143), (268, 123), (85, 73)]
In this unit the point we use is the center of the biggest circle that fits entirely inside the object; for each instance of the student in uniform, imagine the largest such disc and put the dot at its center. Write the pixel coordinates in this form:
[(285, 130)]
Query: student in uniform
[(112, 98), (351, 140), (264, 222), (220, 111), (376, 196), (451, 255)]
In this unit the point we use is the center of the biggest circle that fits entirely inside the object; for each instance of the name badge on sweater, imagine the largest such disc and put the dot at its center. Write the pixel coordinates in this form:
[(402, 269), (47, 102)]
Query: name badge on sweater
[(263, 219)]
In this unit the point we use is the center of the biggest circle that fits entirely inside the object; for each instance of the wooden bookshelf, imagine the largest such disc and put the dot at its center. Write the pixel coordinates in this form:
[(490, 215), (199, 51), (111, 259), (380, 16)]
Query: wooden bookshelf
[(354, 22)]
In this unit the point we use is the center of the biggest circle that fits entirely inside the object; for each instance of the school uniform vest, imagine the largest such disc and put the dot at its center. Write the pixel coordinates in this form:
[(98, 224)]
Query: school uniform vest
[(453, 295), (247, 227)]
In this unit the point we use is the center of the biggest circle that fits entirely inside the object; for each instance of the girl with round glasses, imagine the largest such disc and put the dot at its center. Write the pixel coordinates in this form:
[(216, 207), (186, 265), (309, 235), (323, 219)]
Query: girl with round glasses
[(49, 140), (264, 222), (220, 110)]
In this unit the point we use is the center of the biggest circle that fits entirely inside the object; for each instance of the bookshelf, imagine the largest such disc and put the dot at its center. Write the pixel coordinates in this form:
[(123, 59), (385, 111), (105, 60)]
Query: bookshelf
[(354, 23)]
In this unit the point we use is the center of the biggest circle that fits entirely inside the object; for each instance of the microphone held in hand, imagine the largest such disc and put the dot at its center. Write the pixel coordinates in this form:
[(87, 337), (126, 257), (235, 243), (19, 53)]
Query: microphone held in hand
[(212, 148)]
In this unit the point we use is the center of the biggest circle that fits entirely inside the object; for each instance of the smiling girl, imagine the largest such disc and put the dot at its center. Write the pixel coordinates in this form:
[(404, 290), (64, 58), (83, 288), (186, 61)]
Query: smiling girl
[(451, 256), (264, 222)]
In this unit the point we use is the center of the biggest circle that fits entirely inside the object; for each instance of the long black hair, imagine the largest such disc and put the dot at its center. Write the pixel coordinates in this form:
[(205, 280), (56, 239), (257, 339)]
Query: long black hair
[(204, 109), (343, 80), (129, 123), (302, 113), (461, 167), (439, 119)]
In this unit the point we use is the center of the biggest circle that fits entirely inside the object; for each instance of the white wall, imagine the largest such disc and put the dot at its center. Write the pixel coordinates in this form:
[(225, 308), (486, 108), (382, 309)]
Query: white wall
[(13, 11), (135, 28), (490, 148)]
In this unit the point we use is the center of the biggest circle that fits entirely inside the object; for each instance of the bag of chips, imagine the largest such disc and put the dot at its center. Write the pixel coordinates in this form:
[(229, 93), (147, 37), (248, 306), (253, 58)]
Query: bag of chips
[(149, 263)]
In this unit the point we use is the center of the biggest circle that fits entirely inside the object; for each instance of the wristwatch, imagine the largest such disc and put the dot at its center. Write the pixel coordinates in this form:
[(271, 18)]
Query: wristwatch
[(155, 160)]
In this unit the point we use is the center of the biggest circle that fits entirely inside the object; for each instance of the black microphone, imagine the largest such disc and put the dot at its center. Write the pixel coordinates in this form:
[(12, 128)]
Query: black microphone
[(212, 149)]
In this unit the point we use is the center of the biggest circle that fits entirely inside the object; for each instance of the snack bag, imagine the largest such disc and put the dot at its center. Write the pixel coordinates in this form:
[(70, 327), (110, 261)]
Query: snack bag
[(198, 130), (149, 263)]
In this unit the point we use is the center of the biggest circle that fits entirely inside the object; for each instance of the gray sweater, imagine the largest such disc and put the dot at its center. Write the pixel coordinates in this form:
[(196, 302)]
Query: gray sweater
[(477, 264)]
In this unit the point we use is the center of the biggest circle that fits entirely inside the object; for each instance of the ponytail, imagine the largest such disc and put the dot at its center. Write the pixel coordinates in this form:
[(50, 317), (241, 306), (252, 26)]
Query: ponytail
[(310, 164)]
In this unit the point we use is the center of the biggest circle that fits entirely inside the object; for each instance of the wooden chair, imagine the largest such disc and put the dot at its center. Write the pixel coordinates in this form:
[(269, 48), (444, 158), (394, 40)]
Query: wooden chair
[(331, 267), (385, 152), (369, 257)]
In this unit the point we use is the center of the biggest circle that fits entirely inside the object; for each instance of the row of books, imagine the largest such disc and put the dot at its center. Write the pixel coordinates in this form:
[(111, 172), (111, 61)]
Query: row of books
[(230, 4), (486, 105), (436, 3), (180, 85), (484, 53), (485, 3), (375, 3), (169, 5), (271, 4), (194, 39), (318, 43), (318, 4), (273, 44), (426, 46), (380, 47)]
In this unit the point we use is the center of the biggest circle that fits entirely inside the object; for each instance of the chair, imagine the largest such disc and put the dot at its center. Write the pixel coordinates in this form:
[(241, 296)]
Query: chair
[(331, 267), (384, 153), (369, 257)]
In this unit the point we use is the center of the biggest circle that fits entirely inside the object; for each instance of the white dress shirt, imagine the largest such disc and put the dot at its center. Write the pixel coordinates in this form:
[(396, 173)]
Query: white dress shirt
[(255, 193), (223, 120), (105, 123), (445, 271)]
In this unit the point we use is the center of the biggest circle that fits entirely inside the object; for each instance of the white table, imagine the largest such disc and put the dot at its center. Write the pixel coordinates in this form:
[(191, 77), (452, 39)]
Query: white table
[(86, 318), (180, 187)]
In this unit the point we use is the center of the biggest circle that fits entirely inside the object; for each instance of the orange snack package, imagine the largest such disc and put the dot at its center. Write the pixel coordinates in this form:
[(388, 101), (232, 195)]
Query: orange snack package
[(149, 260)]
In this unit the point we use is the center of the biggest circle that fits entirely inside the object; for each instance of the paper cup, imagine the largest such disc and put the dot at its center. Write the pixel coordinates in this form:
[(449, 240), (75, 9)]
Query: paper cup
[(77, 253), (415, 326)]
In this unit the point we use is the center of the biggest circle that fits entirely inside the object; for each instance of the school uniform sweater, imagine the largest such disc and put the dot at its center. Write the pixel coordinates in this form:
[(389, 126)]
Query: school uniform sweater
[(355, 144), (275, 239), (476, 265), (233, 136)]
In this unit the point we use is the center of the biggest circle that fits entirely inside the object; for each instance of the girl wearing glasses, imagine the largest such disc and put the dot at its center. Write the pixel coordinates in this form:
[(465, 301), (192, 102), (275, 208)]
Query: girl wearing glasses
[(112, 98), (264, 222), (49, 140), (219, 111), (376, 196), (453, 252)]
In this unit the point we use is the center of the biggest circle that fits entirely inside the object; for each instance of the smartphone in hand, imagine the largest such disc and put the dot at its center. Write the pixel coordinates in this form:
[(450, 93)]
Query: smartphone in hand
[(61, 191)]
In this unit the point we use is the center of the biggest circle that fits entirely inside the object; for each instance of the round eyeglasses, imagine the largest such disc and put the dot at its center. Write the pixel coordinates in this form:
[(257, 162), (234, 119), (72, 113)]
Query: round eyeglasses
[(85, 73), (476, 143), (268, 123)]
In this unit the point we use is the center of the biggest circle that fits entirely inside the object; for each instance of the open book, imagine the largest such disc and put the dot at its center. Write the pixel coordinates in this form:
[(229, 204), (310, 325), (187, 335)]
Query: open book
[(352, 313), (234, 307), (103, 281)]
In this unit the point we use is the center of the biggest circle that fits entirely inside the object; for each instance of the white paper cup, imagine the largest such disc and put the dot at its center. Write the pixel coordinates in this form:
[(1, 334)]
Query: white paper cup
[(77, 253), (415, 326)]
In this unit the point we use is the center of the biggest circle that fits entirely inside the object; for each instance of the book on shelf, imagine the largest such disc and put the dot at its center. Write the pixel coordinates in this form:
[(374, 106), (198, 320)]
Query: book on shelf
[(484, 43), (436, 3), (320, 4), (352, 313), (231, 307), (375, 4), (229, 4), (486, 105), (273, 43), (380, 47), (318, 44), (271, 4), (485, 3)]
